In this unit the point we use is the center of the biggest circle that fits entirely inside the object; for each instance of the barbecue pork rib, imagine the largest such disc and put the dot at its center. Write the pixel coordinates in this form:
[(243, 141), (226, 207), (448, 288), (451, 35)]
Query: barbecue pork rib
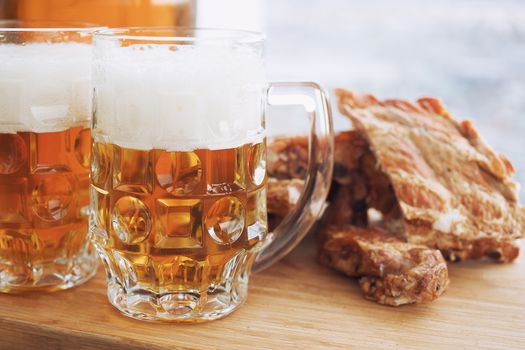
[(454, 192), (390, 271)]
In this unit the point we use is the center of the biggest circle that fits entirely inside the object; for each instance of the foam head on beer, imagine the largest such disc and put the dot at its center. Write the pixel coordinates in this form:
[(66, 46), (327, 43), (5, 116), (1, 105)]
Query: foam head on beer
[(177, 98), (44, 87)]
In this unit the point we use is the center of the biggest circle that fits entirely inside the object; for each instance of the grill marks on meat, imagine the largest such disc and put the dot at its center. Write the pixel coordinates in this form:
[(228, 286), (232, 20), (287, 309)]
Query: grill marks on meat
[(390, 271), (454, 192)]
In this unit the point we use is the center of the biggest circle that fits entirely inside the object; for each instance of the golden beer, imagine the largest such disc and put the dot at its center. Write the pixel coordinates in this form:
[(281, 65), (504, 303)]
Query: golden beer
[(178, 221), (45, 147), (113, 13), (44, 181)]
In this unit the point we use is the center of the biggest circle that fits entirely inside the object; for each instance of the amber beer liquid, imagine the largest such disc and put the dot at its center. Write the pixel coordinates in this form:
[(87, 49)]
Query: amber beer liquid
[(179, 221), (113, 13), (45, 146), (44, 180)]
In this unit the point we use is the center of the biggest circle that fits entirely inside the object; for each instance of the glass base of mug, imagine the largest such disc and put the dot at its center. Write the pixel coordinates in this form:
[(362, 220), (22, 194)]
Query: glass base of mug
[(187, 306), (51, 276)]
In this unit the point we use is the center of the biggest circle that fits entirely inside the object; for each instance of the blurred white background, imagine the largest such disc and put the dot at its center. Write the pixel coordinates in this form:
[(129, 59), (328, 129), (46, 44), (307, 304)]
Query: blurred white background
[(469, 53)]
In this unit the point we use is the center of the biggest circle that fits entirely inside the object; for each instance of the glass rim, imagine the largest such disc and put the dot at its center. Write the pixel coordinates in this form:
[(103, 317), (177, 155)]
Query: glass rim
[(141, 34), (47, 26)]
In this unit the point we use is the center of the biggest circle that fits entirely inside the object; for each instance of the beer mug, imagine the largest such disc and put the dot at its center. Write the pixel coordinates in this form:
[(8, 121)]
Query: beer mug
[(45, 107), (178, 181)]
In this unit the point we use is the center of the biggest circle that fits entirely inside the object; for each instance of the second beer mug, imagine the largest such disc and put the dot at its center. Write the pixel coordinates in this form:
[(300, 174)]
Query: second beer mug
[(45, 95), (178, 182)]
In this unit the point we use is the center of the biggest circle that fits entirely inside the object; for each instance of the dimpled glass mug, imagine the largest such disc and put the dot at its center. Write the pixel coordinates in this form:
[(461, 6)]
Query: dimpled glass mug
[(45, 108), (178, 179)]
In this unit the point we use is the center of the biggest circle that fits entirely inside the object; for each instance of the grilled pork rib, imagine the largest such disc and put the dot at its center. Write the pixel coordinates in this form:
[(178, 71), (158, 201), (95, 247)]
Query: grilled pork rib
[(454, 192), (390, 271)]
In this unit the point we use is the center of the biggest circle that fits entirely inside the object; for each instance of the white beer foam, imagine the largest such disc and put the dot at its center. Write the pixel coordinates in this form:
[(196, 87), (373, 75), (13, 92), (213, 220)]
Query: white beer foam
[(191, 97), (44, 87)]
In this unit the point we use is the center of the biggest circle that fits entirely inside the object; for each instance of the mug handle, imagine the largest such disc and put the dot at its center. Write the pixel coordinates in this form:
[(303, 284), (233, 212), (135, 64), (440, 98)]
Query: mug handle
[(310, 205)]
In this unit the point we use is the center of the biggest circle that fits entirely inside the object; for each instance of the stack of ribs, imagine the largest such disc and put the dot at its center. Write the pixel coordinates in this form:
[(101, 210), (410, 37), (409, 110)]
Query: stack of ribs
[(412, 187)]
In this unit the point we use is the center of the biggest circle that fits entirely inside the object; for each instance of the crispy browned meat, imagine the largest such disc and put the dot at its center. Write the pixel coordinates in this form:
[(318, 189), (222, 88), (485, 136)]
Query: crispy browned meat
[(281, 197), (379, 190), (350, 146), (390, 271), (287, 159), (358, 186), (288, 156), (454, 192), (340, 210), (347, 204)]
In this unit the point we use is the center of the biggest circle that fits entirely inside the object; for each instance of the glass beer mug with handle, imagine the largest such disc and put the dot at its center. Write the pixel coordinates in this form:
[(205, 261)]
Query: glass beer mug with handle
[(45, 107), (178, 182)]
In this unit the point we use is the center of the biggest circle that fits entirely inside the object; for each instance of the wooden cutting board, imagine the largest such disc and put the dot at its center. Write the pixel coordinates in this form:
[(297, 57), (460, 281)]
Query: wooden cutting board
[(294, 304)]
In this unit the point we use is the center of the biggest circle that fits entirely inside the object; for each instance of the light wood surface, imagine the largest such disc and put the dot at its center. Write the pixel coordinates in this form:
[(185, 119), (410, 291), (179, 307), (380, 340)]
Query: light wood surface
[(294, 304)]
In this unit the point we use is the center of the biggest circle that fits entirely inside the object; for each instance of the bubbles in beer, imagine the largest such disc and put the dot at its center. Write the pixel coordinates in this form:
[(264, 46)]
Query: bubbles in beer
[(131, 220), (225, 220), (12, 153)]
